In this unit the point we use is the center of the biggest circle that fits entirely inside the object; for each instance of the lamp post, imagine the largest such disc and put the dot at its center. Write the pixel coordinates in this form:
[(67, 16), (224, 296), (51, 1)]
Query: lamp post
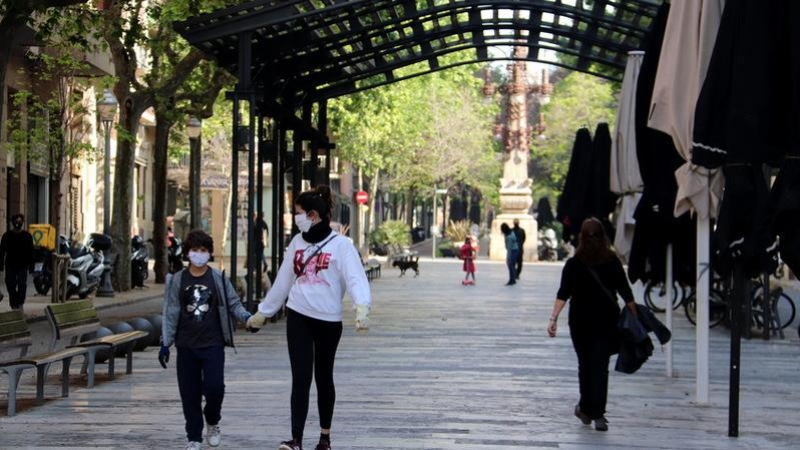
[(193, 130), (107, 108)]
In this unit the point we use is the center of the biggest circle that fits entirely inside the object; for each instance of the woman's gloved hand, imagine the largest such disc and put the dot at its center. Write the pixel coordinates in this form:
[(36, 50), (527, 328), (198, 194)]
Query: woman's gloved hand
[(163, 356), (362, 318), (255, 322)]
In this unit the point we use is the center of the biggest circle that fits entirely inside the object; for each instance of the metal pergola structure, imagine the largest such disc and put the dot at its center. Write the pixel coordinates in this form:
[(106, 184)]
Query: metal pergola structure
[(290, 55)]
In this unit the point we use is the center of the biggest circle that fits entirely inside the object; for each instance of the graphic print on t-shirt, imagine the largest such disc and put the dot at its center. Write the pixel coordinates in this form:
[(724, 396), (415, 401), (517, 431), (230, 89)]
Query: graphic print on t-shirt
[(197, 299), (309, 273)]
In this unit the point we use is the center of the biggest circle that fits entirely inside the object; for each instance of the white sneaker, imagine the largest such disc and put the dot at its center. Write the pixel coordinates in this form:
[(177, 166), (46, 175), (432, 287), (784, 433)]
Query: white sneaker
[(213, 435), (193, 446)]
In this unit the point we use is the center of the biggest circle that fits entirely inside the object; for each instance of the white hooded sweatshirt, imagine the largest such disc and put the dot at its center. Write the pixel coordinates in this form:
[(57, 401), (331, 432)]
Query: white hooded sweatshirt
[(315, 276)]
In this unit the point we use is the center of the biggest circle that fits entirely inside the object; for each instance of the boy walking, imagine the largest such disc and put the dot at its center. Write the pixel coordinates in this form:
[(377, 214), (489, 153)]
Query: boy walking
[(200, 306)]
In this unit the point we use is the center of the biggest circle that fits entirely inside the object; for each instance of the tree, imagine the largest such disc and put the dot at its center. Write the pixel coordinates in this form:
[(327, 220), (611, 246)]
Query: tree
[(131, 29), (411, 135), (578, 100)]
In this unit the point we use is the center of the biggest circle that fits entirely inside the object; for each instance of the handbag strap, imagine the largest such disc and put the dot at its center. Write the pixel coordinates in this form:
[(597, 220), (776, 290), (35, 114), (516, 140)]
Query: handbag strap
[(608, 293), (316, 252)]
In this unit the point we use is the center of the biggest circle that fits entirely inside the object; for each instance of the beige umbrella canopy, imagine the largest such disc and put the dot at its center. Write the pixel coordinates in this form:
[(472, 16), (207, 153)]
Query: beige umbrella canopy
[(688, 45), (625, 177)]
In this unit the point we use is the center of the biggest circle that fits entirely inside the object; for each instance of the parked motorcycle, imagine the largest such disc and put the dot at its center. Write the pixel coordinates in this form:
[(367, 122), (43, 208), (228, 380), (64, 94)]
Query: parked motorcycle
[(175, 254), (548, 245), (139, 260), (85, 269)]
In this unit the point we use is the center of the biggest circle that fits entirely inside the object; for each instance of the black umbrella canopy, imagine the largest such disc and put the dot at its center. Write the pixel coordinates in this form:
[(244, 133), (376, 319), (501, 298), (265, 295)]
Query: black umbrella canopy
[(572, 202), (544, 212), (786, 190), (656, 226), (742, 123), (600, 200)]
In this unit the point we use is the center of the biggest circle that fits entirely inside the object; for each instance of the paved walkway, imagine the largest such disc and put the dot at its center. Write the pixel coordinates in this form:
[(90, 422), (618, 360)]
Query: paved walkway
[(444, 367)]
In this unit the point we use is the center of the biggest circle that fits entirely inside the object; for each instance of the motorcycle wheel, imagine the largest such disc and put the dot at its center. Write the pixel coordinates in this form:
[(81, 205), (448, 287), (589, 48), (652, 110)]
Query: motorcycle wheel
[(41, 283)]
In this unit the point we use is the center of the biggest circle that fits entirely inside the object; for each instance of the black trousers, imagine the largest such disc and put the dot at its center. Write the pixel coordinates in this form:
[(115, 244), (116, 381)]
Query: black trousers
[(519, 262), (312, 351), (17, 285), (593, 359), (201, 373)]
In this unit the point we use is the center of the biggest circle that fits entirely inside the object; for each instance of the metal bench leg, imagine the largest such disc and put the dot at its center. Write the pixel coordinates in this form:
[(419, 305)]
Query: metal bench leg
[(41, 375), (129, 356), (111, 364), (88, 366), (65, 377), (13, 382)]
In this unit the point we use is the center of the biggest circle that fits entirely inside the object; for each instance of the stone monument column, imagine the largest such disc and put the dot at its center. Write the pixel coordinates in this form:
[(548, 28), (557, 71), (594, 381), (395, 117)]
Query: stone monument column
[(516, 196)]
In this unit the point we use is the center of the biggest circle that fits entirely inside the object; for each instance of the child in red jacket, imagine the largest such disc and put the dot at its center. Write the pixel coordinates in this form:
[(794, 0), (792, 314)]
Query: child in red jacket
[(468, 253)]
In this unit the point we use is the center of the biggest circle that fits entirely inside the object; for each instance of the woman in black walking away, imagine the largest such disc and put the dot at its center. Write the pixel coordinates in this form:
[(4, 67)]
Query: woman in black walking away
[(591, 280)]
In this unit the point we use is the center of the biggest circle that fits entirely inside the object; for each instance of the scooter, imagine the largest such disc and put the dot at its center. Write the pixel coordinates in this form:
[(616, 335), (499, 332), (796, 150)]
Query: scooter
[(548, 245), (175, 254), (139, 260), (85, 268)]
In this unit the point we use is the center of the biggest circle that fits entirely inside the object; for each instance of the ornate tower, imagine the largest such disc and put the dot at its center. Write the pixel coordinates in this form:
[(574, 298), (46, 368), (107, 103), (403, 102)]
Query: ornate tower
[(516, 196)]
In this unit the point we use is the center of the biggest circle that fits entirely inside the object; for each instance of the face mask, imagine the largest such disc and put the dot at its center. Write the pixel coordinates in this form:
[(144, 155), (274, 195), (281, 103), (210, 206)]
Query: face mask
[(303, 222), (18, 225), (199, 259)]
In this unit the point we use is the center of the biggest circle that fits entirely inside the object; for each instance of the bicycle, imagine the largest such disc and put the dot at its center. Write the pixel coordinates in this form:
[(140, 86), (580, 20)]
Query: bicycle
[(717, 307), (783, 309), (655, 295)]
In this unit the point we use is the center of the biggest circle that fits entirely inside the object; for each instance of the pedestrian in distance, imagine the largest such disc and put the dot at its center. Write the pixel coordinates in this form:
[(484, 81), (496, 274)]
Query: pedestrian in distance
[(512, 252), (520, 234), (200, 307), (319, 267), (467, 253), (16, 259), (591, 281)]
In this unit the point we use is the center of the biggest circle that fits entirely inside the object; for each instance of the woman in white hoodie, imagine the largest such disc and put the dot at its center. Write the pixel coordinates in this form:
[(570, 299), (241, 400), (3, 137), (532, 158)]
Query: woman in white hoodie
[(320, 265)]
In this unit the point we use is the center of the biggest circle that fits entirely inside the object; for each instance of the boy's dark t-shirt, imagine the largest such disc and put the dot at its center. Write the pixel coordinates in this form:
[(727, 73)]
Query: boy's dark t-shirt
[(199, 325)]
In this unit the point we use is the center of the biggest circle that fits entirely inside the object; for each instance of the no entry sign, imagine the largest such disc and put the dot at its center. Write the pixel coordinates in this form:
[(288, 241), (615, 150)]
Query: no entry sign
[(361, 197)]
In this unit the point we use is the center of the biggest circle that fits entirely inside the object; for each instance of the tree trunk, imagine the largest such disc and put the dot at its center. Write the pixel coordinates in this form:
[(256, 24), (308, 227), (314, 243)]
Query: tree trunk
[(121, 222), (409, 203), (54, 192), (160, 156)]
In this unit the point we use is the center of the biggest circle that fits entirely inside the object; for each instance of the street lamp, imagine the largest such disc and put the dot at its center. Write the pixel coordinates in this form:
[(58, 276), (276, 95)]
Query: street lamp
[(107, 108), (193, 130)]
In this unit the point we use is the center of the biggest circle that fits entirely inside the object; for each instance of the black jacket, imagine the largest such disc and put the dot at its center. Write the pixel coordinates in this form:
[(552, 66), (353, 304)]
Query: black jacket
[(16, 250), (636, 346)]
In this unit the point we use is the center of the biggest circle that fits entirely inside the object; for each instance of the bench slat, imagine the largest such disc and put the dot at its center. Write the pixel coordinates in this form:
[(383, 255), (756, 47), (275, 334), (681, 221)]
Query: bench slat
[(114, 339), (47, 358)]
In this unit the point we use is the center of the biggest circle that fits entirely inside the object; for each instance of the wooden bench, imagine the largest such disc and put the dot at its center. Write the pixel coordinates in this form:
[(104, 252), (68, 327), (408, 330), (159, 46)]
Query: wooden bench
[(372, 269), (15, 337), (73, 319)]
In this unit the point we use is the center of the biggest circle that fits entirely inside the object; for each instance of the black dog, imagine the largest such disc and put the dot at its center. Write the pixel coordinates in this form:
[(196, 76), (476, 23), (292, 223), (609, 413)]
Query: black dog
[(405, 265)]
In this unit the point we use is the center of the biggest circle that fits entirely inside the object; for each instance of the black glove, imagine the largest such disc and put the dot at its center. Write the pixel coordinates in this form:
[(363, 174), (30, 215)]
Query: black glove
[(163, 356)]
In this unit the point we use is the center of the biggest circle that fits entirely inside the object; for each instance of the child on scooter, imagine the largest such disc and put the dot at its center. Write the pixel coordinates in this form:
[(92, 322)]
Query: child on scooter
[(468, 253)]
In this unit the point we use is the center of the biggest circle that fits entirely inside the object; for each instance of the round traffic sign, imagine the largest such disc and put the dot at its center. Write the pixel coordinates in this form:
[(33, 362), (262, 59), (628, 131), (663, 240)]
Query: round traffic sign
[(361, 197)]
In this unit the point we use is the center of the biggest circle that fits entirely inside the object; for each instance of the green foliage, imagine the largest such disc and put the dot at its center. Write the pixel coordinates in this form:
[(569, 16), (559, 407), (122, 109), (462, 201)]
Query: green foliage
[(392, 232), (578, 100), (458, 231), (433, 129), (49, 123)]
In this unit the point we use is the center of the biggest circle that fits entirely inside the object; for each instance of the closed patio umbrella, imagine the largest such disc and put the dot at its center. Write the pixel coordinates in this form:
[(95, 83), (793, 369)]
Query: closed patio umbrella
[(625, 178), (571, 208), (600, 200), (689, 39)]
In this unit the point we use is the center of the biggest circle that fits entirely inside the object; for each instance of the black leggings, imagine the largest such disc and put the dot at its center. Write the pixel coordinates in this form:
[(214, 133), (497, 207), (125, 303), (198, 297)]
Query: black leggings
[(312, 350), (593, 359)]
